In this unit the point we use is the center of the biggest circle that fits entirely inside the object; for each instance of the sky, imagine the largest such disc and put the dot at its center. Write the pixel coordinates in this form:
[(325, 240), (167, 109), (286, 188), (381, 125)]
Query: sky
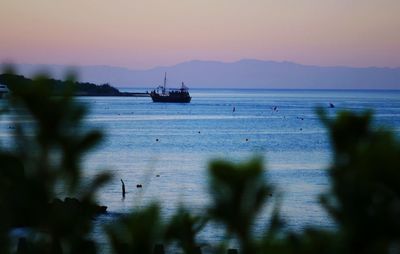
[(141, 34)]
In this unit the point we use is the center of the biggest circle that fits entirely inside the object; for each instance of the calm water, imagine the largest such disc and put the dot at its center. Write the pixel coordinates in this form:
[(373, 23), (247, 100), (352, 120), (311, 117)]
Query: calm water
[(291, 139), (296, 151)]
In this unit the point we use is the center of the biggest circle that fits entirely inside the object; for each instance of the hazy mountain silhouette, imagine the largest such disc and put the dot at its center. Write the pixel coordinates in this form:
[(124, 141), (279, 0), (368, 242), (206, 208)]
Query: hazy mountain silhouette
[(246, 73)]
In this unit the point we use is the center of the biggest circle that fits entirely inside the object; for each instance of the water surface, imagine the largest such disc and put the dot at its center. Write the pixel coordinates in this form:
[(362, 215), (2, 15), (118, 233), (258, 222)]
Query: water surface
[(291, 139)]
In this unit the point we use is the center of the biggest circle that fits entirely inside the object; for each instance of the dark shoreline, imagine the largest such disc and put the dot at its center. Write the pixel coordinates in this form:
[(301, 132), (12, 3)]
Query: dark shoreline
[(122, 94), (81, 88)]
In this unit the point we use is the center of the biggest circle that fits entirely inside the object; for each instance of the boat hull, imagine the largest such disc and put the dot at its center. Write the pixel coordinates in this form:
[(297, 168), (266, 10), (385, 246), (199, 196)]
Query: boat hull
[(171, 99)]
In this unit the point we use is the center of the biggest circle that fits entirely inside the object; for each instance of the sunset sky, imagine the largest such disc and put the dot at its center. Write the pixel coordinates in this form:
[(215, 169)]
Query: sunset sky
[(146, 33)]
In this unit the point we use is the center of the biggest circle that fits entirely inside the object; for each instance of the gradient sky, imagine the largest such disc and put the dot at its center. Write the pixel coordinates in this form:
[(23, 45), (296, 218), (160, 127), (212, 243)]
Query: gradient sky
[(146, 33)]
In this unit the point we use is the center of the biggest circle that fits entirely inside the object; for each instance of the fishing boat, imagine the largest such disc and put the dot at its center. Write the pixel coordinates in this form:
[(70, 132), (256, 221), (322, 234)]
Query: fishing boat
[(178, 95)]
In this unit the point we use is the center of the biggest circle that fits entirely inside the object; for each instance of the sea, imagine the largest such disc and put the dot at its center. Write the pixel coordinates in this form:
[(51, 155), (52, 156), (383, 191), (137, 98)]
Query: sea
[(167, 147)]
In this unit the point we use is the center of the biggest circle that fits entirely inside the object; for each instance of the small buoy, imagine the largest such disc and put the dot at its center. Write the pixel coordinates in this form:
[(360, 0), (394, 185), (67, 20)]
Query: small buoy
[(301, 129), (247, 139), (156, 139), (138, 186), (199, 132), (157, 175), (331, 105)]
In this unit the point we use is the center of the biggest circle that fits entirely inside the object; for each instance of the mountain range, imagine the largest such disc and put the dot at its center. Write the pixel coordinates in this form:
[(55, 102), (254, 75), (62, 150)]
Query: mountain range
[(247, 73)]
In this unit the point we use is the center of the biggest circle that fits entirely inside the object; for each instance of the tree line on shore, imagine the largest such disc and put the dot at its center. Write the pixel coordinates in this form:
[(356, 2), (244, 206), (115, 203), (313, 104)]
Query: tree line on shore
[(80, 88), (363, 198)]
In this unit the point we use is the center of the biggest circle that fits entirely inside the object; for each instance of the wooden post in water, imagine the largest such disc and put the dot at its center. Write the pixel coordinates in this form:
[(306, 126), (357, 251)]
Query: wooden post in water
[(123, 189)]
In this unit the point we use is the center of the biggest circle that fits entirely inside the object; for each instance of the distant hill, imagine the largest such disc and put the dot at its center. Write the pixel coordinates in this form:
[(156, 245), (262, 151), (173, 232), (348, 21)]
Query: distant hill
[(246, 73)]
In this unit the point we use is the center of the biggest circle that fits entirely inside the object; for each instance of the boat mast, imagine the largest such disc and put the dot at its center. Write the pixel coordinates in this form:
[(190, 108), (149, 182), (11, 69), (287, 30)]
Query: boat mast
[(165, 82)]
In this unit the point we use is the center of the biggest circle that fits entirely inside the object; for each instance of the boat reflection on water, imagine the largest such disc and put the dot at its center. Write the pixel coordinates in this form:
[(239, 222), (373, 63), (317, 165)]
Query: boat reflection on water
[(162, 94)]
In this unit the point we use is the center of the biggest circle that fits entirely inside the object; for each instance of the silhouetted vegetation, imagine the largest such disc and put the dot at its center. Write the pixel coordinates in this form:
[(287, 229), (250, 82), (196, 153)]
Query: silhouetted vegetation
[(43, 166), (80, 88), (45, 157)]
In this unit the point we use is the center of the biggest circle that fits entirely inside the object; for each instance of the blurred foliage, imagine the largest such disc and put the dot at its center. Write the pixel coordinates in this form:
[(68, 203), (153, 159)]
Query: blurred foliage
[(45, 157), (137, 232), (365, 192), (50, 142), (183, 229), (238, 191)]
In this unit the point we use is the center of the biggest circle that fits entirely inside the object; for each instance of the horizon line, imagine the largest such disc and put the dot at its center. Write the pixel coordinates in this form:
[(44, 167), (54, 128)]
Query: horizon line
[(273, 89)]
